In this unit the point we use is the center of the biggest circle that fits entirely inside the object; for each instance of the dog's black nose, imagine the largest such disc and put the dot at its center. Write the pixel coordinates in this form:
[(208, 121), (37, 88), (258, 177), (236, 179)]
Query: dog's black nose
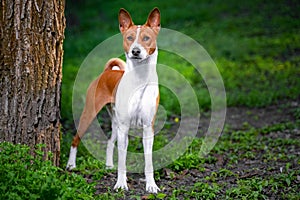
[(136, 51)]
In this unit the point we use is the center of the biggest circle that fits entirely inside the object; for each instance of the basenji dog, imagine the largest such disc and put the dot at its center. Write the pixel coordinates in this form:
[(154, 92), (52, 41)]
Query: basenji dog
[(132, 90)]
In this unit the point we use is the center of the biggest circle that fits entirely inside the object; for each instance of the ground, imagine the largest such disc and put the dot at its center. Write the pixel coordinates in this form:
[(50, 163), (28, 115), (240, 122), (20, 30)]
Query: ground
[(270, 171), (255, 46)]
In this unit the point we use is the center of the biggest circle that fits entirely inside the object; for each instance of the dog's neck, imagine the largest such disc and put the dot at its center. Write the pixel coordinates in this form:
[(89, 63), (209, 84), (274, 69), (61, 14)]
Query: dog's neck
[(144, 68)]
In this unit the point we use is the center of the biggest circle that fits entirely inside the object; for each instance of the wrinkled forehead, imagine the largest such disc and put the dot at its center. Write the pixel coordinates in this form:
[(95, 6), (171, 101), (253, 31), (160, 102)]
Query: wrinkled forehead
[(133, 30)]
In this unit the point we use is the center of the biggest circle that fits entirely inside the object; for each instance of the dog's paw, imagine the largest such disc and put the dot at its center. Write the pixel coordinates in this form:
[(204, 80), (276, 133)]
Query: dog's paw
[(121, 185), (72, 159), (109, 164), (70, 166), (152, 188), (109, 167)]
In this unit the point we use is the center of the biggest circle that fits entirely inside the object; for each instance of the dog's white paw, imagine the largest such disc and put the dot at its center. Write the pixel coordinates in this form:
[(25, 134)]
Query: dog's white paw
[(70, 166), (152, 188), (109, 166), (121, 183), (72, 159)]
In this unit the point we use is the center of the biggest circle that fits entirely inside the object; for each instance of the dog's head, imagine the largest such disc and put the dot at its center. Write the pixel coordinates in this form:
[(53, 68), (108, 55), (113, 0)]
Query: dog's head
[(139, 41)]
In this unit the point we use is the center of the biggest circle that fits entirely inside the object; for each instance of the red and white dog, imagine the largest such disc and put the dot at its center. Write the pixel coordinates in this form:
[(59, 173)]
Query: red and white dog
[(132, 88)]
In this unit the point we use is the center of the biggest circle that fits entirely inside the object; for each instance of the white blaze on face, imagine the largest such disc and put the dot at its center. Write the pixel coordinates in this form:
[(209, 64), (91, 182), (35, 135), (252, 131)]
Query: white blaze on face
[(136, 44)]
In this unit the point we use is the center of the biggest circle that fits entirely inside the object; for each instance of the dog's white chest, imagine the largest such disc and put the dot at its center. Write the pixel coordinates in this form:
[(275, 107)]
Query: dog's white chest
[(142, 106), (136, 99)]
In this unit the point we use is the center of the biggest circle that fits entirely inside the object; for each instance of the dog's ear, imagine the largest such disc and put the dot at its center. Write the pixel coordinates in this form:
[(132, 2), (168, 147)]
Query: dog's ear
[(125, 20), (154, 20)]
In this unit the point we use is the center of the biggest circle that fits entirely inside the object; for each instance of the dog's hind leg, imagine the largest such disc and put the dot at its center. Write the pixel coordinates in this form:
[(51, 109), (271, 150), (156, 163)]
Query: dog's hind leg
[(111, 144), (89, 112), (100, 92)]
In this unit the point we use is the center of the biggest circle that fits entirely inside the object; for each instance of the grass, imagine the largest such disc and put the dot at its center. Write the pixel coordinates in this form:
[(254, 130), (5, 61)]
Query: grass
[(255, 46), (274, 173), (26, 177)]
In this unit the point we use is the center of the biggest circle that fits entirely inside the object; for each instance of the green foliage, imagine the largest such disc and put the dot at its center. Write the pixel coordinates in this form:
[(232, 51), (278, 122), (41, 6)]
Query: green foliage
[(255, 47), (256, 188), (297, 113), (23, 176), (156, 196), (200, 190), (248, 189), (204, 191)]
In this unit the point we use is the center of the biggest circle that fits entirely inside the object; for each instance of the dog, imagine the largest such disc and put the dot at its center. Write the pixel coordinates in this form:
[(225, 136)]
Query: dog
[(132, 89)]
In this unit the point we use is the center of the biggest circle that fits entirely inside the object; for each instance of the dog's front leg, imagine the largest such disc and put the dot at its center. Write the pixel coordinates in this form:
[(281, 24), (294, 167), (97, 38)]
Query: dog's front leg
[(148, 137), (122, 153)]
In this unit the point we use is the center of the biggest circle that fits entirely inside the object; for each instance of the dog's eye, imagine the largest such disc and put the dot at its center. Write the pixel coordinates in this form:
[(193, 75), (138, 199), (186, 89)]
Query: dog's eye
[(130, 38), (146, 38)]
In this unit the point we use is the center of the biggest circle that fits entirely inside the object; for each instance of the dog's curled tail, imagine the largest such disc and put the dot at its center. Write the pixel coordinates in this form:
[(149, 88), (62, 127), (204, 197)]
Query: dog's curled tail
[(115, 64)]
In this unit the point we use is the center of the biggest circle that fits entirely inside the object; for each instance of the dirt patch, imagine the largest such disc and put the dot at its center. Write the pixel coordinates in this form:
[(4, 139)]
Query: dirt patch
[(240, 118), (236, 119)]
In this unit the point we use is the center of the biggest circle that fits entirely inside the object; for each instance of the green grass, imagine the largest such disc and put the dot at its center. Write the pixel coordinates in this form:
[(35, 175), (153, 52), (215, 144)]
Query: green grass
[(25, 177), (254, 45)]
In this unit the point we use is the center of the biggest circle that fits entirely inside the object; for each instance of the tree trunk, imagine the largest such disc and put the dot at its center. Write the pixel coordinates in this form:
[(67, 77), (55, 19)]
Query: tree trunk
[(31, 52)]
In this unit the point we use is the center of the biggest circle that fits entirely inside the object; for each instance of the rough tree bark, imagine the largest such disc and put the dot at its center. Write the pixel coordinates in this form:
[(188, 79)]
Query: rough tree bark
[(31, 52)]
